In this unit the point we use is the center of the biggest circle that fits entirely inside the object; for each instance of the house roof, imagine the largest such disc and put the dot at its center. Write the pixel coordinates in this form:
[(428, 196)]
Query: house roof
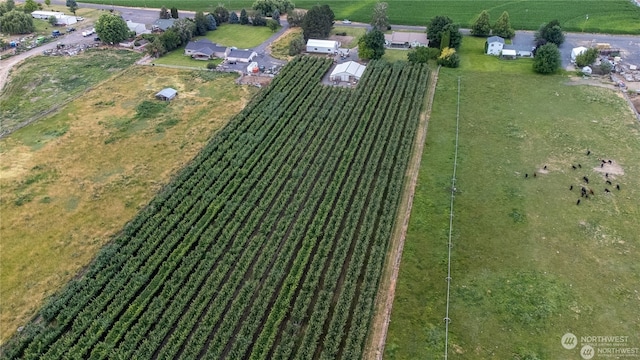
[(350, 67), (167, 93), (244, 54), (406, 37), (137, 27), (323, 43), (495, 39), (164, 24), (205, 46)]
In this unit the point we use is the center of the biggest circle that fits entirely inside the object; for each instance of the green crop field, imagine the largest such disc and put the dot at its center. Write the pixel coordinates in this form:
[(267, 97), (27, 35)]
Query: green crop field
[(270, 244), (608, 16), (528, 264)]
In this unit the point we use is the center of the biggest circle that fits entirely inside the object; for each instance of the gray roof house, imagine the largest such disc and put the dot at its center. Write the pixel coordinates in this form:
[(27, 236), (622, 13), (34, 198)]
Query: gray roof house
[(204, 49), (137, 27), (163, 24), (167, 94), (244, 56), (405, 39), (494, 45)]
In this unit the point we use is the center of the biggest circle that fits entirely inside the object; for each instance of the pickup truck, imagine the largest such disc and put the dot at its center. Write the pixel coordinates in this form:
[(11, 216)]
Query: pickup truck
[(89, 32)]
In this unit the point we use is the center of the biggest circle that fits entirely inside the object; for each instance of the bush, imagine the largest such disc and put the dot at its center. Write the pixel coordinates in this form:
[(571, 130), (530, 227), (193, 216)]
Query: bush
[(449, 58), (211, 66), (296, 46)]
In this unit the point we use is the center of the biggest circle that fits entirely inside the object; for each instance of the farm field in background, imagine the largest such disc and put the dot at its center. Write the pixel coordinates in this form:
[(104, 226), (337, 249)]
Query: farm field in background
[(612, 16), (42, 83), (528, 264), (70, 181), (270, 244)]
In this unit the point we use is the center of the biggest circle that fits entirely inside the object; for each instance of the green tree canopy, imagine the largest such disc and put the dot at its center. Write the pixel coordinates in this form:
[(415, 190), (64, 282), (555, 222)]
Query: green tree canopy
[(587, 58), (550, 33), (170, 39), (111, 28), (47, 2), (295, 17), (317, 23), (449, 58), (174, 13), (482, 25), (211, 22), (155, 48), (437, 28), (201, 24), (275, 16), (503, 28), (233, 18), (379, 18), (53, 20), (72, 5), (296, 45), (17, 22), (244, 18), (422, 55), (272, 25), (221, 14), (547, 59), (185, 28), (267, 7), (164, 13), (258, 20), (371, 45), (30, 6)]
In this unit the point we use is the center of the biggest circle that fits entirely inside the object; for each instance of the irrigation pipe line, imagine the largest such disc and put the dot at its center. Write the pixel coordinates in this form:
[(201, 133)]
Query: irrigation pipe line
[(447, 320)]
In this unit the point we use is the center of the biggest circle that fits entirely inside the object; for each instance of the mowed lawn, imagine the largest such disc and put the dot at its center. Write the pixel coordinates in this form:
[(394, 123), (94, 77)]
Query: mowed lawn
[(240, 36), (71, 181), (528, 264), (610, 16)]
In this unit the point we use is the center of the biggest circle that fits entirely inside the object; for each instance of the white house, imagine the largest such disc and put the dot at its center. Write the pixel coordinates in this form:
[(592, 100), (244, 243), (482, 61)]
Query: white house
[(323, 46), (244, 56), (405, 40), (347, 71), (494, 45), (577, 51), (137, 27)]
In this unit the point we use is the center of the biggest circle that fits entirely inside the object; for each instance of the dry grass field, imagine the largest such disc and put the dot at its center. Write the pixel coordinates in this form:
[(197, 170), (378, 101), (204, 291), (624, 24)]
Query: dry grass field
[(69, 182)]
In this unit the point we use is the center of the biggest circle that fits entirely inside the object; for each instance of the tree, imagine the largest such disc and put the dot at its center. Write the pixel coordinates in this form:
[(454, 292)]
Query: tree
[(371, 45), (17, 22), (258, 20), (317, 23), (233, 18), (72, 5), (296, 45), (440, 25), (295, 18), (221, 14), (164, 13), (30, 6), (155, 48), (174, 12), (422, 55), (244, 19), (275, 16), (550, 33), (449, 58), (606, 67), (482, 25), (547, 59), (211, 22), (111, 28), (267, 7), (588, 57), (201, 24), (52, 20), (47, 2), (379, 18), (170, 39), (184, 28), (272, 25), (503, 28)]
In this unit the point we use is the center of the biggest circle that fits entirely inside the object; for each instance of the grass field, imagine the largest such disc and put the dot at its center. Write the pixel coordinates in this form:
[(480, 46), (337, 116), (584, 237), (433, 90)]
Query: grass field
[(611, 16), (280, 47), (392, 55), (72, 180), (177, 57), (42, 83), (240, 36), (528, 264)]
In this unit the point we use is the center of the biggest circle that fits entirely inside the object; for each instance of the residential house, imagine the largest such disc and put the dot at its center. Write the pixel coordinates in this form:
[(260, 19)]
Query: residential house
[(137, 27), (162, 24), (204, 49), (405, 40), (494, 45), (244, 56)]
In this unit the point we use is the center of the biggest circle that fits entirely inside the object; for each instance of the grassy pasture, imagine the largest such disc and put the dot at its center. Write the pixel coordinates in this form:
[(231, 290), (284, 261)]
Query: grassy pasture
[(528, 264), (72, 180), (177, 57), (39, 84), (280, 47), (240, 36), (612, 16)]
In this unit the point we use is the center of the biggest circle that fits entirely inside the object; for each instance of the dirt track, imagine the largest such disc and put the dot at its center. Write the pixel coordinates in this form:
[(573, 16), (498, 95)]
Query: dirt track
[(374, 348)]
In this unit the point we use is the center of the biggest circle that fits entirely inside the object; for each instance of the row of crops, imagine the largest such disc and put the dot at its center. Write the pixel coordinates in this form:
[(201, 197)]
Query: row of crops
[(269, 245)]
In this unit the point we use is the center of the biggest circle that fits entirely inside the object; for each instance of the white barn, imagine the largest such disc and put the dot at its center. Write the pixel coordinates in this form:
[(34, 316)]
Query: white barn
[(323, 46), (495, 45), (45, 15), (347, 71), (66, 20)]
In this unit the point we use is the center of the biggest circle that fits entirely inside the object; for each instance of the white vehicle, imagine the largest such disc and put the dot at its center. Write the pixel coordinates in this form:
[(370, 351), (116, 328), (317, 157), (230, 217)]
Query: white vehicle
[(89, 32), (346, 21), (79, 18)]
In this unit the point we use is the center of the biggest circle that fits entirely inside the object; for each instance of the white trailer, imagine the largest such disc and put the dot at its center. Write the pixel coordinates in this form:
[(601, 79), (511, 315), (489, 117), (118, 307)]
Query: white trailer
[(45, 15)]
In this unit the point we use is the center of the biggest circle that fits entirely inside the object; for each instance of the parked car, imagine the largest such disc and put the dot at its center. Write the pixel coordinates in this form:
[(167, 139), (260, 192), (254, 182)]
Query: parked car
[(96, 39), (55, 33), (79, 18), (70, 29), (346, 21)]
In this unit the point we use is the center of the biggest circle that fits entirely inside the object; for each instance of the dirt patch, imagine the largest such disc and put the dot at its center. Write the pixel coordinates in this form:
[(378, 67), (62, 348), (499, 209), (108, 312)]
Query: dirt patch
[(611, 169), (344, 40), (635, 100)]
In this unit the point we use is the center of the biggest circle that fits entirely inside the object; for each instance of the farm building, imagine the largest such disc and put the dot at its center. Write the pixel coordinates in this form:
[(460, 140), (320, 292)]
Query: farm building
[(204, 49), (347, 71), (494, 45), (405, 40), (167, 94), (137, 27), (323, 46), (162, 24), (45, 15), (577, 51), (244, 56)]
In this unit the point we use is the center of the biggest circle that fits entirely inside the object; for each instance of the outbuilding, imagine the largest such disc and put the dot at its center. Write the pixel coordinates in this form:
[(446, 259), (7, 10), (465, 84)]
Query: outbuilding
[(244, 56), (138, 28), (66, 20), (167, 94), (45, 15), (494, 45), (323, 46), (508, 54), (347, 71)]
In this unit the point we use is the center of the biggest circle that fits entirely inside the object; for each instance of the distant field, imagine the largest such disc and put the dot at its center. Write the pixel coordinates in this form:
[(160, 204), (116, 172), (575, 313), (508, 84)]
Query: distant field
[(608, 16), (528, 264)]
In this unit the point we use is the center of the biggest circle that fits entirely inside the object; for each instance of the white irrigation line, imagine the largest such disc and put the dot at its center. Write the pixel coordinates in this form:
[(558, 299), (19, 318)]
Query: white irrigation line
[(447, 320)]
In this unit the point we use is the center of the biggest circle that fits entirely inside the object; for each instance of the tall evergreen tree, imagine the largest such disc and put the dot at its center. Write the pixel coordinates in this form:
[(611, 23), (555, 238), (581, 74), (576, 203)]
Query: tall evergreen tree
[(379, 18), (221, 14), (275, 15), (233, 18), (550, 33), (547, 59), (482, 25), (211, 22), (371, 45), (437, 28), (503, 28), (317, 23), (174, 12), (164, 13), (244, 18), (201, 24)]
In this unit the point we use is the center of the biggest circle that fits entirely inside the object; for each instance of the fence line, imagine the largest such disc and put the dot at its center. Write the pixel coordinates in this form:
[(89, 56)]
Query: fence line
[(447, 319)]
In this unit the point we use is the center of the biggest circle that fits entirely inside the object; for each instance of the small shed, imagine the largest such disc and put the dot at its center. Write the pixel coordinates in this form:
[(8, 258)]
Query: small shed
[(323, 46), (167, 94), (494, 45), (66, 20), (347, 71), (577, 51)]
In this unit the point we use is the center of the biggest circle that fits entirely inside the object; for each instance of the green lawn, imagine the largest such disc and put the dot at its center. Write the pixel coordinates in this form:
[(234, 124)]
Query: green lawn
[(528, 264), (392, 55), (609, 16), (177, 58), (240, 36)]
